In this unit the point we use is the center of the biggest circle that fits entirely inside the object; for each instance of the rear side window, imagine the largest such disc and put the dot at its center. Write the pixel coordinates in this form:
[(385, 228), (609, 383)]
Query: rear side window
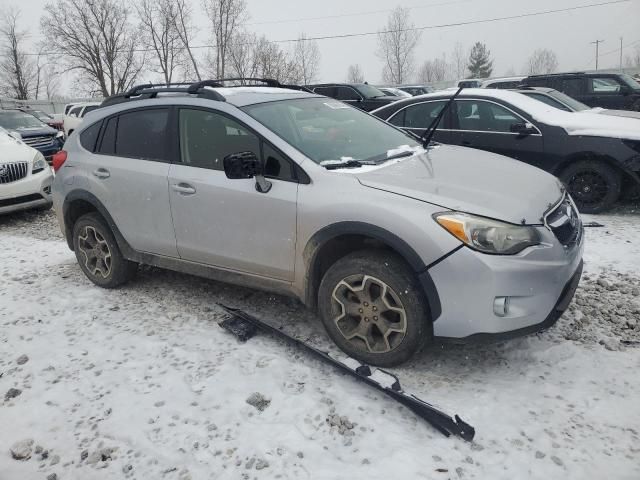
[(89, 136), (548, 100), (346, 93), (326, 91), (419, 115), (143, 134), (604, 85), (108, 144), (571, 86)]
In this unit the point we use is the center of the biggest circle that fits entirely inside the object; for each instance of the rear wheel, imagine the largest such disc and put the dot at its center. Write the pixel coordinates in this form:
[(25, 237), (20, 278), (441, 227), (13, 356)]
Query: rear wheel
[(98, 254), (594, 185), (373, 308)]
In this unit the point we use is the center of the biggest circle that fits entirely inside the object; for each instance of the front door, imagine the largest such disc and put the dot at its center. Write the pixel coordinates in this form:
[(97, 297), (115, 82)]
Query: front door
[(488, 126), (228, 223), (605, 92)]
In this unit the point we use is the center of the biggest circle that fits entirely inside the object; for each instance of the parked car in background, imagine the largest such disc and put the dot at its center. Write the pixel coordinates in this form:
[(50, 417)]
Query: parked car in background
[(564, 102), (616, 91), (470, 83), (74, 118), (33, 132), (25, 176), (44, 117), (394, 92), (414, 90), (596, 156), (68, 107), (355, 217), (360, 95), (503, 83)]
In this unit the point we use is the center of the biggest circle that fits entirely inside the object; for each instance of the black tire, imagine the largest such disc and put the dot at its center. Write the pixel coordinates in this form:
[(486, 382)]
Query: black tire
[(403, 292), (594, 185), (111, 268)]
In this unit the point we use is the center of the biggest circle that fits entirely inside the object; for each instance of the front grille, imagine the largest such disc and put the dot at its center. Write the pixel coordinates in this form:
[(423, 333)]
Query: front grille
[(565, 222), (37, 142), (12, 172), (17, 200)]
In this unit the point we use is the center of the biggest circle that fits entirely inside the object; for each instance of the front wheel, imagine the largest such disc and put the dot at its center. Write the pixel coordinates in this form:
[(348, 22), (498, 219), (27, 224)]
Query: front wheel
[(594, 185), (98, 254), (373, 308)]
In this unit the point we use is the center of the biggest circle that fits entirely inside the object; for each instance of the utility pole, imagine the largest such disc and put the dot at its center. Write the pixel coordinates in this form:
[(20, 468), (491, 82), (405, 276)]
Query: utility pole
[(597, 44), (621, 54)]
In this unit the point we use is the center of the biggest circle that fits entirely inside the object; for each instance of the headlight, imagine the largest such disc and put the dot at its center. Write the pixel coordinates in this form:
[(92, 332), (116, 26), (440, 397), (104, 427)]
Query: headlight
[(486, 235), (60, 134), (39, 163)]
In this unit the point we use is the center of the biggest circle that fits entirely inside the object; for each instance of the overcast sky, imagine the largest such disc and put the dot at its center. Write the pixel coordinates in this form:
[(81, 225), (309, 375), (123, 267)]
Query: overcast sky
[(511, 41)]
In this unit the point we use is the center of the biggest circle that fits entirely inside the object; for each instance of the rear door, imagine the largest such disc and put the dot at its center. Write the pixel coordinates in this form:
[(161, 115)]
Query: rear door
[(604, 91), (574, 86), (487, 125), (128, 174), (228, 223), (417, 117)]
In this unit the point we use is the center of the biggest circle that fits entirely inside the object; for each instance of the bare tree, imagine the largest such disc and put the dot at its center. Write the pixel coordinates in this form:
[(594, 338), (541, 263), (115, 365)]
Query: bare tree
[(459, 61), (160, 35), (541, 61), (225, 17), (96, 40), (306, 56), (51, 81), (17, 70), (186, 32), (433, 71), (396, 45), (632, 60), (241, 54), (252, 56), (355, 74)]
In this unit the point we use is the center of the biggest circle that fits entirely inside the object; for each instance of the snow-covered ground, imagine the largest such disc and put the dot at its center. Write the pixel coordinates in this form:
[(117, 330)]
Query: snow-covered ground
[(141, 383)]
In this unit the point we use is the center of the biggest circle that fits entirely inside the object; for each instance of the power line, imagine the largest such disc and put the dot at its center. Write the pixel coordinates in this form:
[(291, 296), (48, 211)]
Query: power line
[(359, 14), (427, 27)]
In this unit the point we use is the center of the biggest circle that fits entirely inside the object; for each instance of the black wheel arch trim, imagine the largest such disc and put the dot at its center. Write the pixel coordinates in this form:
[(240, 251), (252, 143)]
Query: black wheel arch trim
[(330, 232), (621, 165), (90, 198)]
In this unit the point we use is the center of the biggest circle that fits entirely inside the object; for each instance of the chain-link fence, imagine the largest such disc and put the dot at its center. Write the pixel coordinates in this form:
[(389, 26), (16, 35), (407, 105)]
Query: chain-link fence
[(49, 106)]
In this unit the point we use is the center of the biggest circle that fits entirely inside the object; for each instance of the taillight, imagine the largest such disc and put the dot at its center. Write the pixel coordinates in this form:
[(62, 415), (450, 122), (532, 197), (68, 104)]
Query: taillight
[(58, 160)]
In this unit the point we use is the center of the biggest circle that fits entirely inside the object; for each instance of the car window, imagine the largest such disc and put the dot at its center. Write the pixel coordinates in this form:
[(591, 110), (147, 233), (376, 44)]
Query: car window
[(481, 116), (419, 115), (14, 120), (276, 165), (347, 93), (326, 91), (143, 134), (571, 86), (75, 111), (603, 85), (108, 142), (89, 136), (548, 100), (89, 109), (207, 137)]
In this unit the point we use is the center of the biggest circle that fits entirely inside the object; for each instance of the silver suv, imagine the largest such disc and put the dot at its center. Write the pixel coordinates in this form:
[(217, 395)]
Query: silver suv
[(394, 243)]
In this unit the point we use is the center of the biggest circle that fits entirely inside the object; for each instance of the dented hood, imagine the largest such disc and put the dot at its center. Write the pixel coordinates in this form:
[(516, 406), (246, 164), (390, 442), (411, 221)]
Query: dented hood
[(471, 181)]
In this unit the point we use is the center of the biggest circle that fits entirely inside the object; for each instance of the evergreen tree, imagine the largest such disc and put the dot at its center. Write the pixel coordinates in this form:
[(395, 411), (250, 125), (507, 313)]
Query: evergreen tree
[(480, 63)]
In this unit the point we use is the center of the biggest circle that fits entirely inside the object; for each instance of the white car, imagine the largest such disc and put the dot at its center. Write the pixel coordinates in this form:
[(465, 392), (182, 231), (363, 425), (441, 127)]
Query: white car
[(74, 118), (25, 176)]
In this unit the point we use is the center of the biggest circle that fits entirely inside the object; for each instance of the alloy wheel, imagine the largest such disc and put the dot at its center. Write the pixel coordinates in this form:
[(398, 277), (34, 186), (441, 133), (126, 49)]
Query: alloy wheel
[(369, 313), (588, 187), (96, 252)]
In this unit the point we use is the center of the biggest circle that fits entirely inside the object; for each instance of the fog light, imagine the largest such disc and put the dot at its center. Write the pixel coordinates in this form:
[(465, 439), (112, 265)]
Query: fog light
[(501, 306)]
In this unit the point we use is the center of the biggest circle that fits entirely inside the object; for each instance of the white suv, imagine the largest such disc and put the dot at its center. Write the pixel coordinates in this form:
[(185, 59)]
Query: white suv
[(25, 176), (74, 118)]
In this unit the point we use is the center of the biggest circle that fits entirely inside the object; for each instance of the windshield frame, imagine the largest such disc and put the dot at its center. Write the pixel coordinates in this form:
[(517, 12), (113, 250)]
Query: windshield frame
[(411, 140)]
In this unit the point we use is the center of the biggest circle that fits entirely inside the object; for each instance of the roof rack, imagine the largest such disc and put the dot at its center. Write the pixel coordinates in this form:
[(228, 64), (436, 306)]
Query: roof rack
[(151, 90), (556, 74)]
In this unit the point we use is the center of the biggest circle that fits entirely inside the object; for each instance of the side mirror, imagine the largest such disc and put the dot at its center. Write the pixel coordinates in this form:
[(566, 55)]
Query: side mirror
[(524, 128), (246, 165)]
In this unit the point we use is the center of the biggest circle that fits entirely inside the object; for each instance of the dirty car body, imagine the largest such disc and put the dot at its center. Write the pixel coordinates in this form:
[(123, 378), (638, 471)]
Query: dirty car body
[(333, 181)]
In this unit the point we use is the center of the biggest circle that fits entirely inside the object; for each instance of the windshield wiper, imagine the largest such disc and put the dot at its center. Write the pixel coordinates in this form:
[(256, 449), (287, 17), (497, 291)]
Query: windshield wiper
[(347, 164), (427, 135)]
